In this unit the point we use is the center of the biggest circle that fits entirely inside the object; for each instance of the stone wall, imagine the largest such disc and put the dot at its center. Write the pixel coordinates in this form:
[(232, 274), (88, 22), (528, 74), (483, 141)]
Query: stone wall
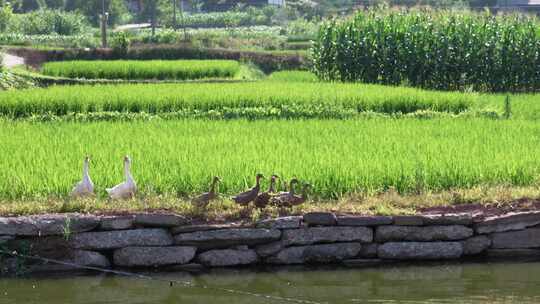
[(170, 241)]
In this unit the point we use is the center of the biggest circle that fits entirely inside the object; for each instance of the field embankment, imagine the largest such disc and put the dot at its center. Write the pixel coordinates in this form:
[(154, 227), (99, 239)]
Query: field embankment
[(268, 61)]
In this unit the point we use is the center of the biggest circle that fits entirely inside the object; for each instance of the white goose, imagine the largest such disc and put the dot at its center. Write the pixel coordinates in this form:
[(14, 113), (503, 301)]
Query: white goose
[(85, 187), (128, 188)]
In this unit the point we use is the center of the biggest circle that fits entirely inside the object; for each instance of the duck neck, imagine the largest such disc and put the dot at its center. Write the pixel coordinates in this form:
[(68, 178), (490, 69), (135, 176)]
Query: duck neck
[(304, 192), (85, 170), (127, 173), (272, 185), (213, 186), (291, 190), (258, 182)]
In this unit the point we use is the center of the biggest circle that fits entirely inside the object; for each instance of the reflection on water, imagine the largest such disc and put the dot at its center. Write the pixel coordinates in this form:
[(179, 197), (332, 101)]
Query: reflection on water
[(446, 283)]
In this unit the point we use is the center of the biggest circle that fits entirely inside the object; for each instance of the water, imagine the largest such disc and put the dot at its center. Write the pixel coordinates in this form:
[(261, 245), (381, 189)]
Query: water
[(442, 283)]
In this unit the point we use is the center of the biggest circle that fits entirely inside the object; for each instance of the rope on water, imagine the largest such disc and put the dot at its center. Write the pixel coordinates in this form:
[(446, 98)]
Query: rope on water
[(150, 278)]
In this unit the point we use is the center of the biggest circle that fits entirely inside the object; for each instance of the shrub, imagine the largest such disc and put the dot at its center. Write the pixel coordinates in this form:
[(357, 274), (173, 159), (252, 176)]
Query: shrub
[(53, 40), (45, 22), (120, 44), (225, 19), (6, 13)]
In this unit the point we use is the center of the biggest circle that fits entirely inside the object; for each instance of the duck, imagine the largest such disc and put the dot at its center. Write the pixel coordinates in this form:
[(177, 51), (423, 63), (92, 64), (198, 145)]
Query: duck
[(204, 199), (262, 199), (247, 197), (85, 187), (297, 200), (128, 188), (283, 198)]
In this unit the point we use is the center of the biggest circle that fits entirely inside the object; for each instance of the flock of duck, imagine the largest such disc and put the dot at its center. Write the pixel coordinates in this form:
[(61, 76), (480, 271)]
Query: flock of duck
[(128, 188)]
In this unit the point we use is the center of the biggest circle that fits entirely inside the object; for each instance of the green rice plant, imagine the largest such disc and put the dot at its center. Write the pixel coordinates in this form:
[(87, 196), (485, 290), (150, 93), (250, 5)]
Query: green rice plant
[(296, 76), (507, 107), (338, 157), (435, 49), (518, 106), (206, 97), (148, 69)]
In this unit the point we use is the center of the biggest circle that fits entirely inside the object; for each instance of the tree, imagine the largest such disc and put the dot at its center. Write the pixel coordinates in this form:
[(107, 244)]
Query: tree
[(92, 9), (5, 15)]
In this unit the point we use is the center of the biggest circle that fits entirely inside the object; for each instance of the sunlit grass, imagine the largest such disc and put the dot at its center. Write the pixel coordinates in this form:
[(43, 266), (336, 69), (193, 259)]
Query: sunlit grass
[(338, 157), (296, 76), (164, 98), (143, 69)]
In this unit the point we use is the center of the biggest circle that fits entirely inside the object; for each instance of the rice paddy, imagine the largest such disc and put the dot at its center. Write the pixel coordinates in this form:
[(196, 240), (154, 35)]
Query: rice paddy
[(149, 69), (386, 147), (339, 158), (324, 98)]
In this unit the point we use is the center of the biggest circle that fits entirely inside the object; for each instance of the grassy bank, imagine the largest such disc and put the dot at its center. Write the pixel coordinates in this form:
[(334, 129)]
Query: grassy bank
[(497, 199), (338, 157), (150, 69), (165, 98)]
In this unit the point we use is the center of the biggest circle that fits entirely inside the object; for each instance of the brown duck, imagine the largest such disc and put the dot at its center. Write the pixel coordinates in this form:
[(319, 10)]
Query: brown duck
[(204, 199), (283, 198), (262, 199), (297, 200), (247, 197)]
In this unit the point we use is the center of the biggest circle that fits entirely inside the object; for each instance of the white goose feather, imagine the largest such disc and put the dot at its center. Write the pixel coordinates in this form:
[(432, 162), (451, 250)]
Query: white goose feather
[(128, 188), (85, 187)]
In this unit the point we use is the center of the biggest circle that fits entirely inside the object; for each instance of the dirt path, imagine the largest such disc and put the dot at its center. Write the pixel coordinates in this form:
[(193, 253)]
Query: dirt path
[(127, 27), (11, 61)]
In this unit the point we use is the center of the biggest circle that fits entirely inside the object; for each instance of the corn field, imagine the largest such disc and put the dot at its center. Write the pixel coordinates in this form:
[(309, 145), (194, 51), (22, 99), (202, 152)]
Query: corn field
[(445, 50)]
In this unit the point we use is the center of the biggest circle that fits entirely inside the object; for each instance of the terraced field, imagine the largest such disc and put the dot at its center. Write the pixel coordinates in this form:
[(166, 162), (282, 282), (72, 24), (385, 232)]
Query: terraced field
[(149, 69), (338, 157), (306, 98)]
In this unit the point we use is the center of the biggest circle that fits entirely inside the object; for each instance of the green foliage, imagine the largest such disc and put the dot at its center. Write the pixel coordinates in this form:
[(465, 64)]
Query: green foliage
[(11, 81), (301, 30), (165, 98), (53, 40), (337, 157), (46, 22), (446, 50), (120, 44), (250, 17), (91, 9), (253, 37), (150, 69), (6, 13)]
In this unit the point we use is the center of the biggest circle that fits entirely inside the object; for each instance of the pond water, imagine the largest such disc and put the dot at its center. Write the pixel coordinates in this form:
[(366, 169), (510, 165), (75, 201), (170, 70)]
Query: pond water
[(433, 283)]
